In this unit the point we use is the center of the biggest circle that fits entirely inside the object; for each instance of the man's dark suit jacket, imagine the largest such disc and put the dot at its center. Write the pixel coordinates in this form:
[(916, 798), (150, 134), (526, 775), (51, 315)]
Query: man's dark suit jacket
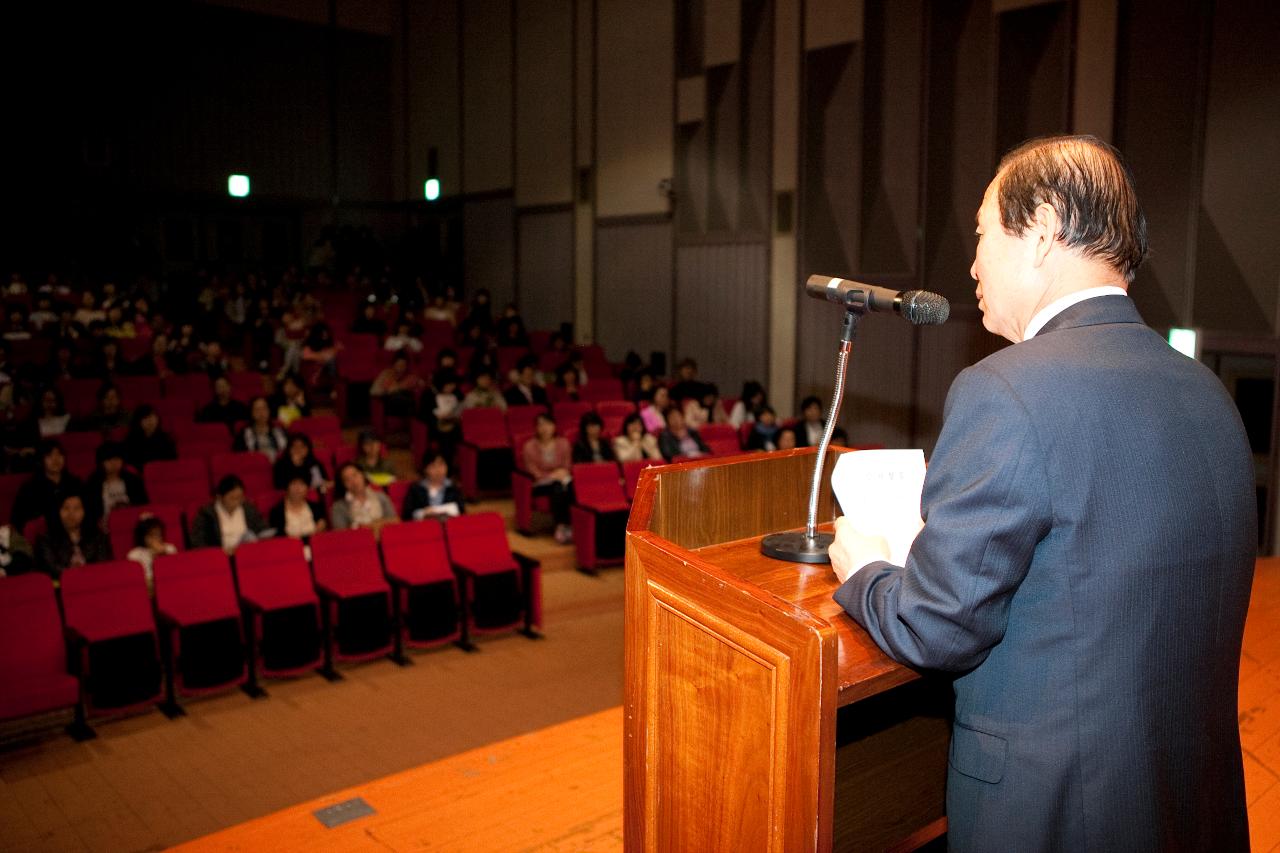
[(1085, 568)]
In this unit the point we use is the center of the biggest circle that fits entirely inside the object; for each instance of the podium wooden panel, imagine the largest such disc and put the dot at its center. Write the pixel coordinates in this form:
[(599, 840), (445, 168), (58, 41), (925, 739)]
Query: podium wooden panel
[(758, 716)]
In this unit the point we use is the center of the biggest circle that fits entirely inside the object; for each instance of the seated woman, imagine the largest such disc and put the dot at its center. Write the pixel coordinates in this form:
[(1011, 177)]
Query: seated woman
[(261, 434), (111, 485), (634, 444), (295, 515), (440, 409), (591, 446), (290, 402), (69, 542), (108, 414), (227, 521), (52, 419), (299, 460), (397, 386), (654, 410), (42, 493), (435, 495), (679, 440), (223, 408), (320, 350), (786, 438), (749, 405), (149, 542), (547, 458), (146, 441), (357, 504), (372, 459)]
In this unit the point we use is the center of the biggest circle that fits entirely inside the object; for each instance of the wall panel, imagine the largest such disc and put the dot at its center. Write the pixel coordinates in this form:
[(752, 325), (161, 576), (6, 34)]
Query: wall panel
[(635, 43), (435, 112), (544, 102), (486, 95), (489, 248), (546, 267), (721, 311), (634, 288)]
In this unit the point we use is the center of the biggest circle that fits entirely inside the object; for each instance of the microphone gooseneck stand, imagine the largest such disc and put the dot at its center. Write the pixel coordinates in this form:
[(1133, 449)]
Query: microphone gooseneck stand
[(811, 546)]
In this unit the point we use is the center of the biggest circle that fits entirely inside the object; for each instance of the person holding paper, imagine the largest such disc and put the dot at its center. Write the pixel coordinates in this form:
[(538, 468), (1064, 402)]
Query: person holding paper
[(1087, 554)]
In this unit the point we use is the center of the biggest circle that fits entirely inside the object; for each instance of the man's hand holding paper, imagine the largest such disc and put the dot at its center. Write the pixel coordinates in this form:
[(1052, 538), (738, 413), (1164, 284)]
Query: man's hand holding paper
[(879, 492)]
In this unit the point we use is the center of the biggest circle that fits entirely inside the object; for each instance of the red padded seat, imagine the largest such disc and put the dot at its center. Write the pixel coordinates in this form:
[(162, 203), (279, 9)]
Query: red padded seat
[(33, 655)]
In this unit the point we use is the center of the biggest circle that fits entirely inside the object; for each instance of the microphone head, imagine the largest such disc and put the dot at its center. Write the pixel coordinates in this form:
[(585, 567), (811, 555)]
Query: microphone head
[(922, 308)]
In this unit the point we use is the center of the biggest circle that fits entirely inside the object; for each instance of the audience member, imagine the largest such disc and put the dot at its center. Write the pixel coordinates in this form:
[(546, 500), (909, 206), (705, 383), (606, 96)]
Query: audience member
[(809, 430), (764, 430), (223, 408), (441, 410), (591, 446), (111, 485), (372, 459), (147, 441), (435, 495), (358, 504), (228, 520), (547, 458), (42, 494), (567, 383), (290, 402), (296, 515), (300, 460), (785, 438), (108, 414), (369, 323), (679, 440), (397, 387), (633, 444), (261, 434), (320, 350), (403, 340), (525, 390), (149, 542), (747, 408), (687, 385), (213, 362), (654, 410), (53, 417), (484, 395), (69, 542)]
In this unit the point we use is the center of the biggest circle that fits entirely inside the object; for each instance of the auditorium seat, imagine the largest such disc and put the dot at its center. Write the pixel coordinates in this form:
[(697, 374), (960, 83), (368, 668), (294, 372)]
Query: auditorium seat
[(79, 395), (719, 432), (356, 597), (601, 388), (79, 443), (612, 413), (396, 493), (567, 414), (526, 502), (599, 514), (282, 611), (539, 340), (723, 446), (176, 410), (33, 655), (123, 520), (253, 468), (177, 481), (325, 429), (9, 485), (500, 588), (113, 633), (192, 432), (425, 587), (437, 332), (245, 385), (189, 386), (521, 421), (199, 619), (137, 390), (484, 453), (631, 475)]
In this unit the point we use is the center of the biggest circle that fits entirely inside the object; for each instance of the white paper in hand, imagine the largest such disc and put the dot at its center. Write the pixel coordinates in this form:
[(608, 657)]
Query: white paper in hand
[(879, 492)]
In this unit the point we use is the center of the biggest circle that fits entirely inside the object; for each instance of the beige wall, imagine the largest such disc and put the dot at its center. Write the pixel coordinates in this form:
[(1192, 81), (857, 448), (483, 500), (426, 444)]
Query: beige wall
[(486, 96), (544, 102)]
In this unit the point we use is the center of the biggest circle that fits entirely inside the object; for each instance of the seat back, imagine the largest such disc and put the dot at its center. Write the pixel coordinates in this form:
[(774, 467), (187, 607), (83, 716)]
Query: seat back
[(631, 475), (253, 468), (485, 427), (612, 413), (273, 571), (194, 387), (396, 493), (479, 541), (568, 413), (107, 600), (137, 390), (596, 483), (718, 432), (245, 384), (9, 485), (123, 520), (345, 555), (602, 388), (176, 411), (417, 548), (177, 481), (190, 432), (75, 443), (195, 585), (80, 395), (521, 419), (270, 552), (30, 627), (318, 427)]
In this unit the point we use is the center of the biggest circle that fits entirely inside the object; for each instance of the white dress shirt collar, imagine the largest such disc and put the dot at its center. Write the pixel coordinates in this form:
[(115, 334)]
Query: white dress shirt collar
[(1056, 307)]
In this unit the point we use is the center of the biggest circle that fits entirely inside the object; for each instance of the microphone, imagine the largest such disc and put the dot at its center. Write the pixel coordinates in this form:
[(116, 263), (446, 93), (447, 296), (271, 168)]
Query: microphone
[(917, 307)]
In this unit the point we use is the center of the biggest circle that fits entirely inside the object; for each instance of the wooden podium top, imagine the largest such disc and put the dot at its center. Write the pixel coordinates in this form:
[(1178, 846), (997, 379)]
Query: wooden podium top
[(714, 512)]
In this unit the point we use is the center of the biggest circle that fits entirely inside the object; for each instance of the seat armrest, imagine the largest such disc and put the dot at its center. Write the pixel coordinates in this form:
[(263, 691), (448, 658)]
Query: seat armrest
[(526, 562)]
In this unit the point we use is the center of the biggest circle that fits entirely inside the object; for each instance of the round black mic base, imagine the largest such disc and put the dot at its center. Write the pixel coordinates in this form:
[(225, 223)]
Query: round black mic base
[(797, 547)]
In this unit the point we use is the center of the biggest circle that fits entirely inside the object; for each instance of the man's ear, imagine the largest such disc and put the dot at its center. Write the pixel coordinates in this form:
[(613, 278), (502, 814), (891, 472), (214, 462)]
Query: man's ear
[(1044, 231)]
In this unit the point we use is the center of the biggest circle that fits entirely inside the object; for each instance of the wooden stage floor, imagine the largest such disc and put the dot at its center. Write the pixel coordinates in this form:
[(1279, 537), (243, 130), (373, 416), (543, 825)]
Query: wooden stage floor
[(557, 789)]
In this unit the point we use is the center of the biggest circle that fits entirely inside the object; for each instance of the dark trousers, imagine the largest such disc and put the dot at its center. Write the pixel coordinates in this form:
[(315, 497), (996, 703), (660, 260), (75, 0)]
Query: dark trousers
[(560, 496)]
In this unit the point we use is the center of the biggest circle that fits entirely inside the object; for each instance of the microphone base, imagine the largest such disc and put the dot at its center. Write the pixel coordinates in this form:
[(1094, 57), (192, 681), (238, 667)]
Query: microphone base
[(796, 547)]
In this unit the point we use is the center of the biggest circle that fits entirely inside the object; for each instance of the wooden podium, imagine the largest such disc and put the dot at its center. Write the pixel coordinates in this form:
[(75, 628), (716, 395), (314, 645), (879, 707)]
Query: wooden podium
[(758, 715)]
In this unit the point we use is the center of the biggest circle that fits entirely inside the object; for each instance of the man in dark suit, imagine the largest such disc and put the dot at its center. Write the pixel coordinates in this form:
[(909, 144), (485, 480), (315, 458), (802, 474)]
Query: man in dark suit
[(526, 391), (1090, 534)]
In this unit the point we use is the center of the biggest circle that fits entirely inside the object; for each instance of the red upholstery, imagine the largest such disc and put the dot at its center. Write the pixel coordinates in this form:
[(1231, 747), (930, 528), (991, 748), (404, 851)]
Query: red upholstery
[(718, 432), (595, 362), (245, 385), (539, 340), (723, 446), (342, 454), (31, 351), (34, 529), (396, 493), (202, 448), (176, 410), (179, 481), (601, 388), (80, 395), (437, 331), (136, 390), (82, 463), (191, 432), (273, 573), (414, 552), (319, 427), (107, 600), (507, 358), (79, 442), (599, 503), (347, 567), (253, 468), (123, 520), (189, 386), (33, 656), (520, 420), (9, 485), (568, 413), (631, 475), (613, 412)]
